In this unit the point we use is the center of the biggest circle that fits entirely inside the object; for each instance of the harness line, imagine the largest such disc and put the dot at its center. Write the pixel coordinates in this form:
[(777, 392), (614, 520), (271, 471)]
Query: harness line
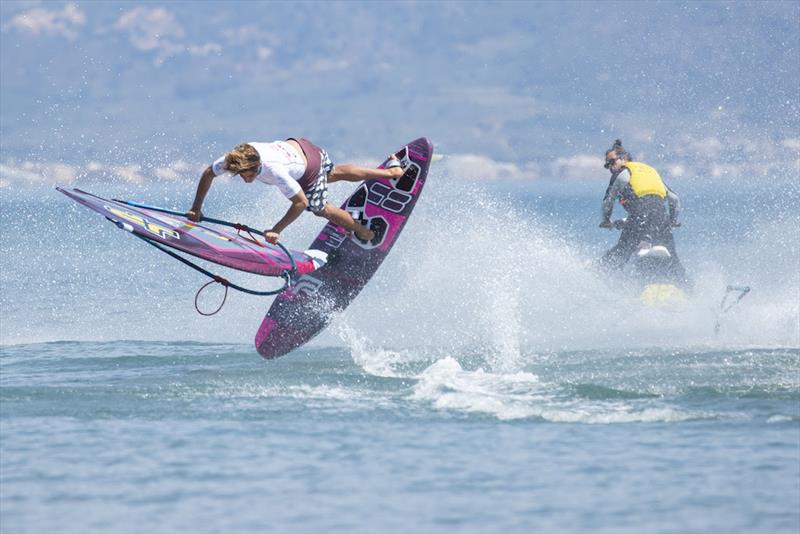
[(286, 274)]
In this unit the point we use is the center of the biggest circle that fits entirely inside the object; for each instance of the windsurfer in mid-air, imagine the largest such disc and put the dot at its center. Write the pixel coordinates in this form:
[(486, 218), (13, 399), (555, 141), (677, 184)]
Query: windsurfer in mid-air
[(302, 171), (642, 193)]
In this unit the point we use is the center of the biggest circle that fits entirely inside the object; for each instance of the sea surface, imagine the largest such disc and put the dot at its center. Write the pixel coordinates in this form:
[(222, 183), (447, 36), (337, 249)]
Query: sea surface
[(488, 379)]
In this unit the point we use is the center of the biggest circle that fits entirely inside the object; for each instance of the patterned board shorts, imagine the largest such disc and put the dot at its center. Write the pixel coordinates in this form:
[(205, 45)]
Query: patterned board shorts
[(317, 195)]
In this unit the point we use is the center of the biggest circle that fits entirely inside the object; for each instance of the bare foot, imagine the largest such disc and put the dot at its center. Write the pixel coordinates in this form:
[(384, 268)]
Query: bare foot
[(394, 172), (364, 233)]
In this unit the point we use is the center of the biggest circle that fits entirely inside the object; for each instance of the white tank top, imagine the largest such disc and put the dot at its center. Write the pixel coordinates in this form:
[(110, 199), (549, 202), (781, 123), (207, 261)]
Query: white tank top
[(281, 166)]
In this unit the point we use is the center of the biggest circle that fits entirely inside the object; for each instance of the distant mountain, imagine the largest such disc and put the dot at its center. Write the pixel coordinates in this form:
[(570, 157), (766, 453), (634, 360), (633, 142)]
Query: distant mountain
[(518, 82)]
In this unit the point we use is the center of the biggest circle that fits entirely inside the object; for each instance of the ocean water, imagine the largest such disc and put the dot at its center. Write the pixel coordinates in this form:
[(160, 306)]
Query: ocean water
[(487, 379)]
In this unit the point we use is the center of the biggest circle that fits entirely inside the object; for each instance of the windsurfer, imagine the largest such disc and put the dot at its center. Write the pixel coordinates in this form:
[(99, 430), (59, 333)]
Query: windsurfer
[(301, 171)]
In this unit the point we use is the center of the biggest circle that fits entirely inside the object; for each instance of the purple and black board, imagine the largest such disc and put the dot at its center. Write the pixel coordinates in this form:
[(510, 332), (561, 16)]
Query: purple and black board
[(302, 311)]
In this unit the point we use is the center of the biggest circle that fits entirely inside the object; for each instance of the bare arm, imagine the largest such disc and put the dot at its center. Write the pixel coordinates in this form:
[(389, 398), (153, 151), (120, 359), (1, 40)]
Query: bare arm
[(299, 203), (196, 214)]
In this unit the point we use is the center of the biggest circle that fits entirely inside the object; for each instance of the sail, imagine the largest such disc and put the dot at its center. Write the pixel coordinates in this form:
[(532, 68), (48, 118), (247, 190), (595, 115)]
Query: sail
[(241, 251)]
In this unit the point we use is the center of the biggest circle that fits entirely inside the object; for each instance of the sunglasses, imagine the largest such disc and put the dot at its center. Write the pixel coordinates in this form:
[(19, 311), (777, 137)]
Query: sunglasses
[(610, 162), (251, 169)]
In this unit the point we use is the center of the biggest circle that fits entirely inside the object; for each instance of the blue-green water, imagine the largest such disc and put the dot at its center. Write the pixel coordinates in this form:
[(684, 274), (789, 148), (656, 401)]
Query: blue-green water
[(163, 437), (487, 380)]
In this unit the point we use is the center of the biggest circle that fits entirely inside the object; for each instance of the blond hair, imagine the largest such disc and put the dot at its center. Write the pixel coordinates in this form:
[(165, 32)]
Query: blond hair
[(242, 158)]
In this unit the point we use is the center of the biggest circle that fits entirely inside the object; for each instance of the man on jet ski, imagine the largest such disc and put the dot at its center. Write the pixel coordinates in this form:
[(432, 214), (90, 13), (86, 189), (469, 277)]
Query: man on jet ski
[(642, 193)]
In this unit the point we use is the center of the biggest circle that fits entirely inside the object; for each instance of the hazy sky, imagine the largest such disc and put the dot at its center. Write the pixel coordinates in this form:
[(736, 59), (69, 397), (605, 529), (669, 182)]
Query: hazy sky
[(507, 90)]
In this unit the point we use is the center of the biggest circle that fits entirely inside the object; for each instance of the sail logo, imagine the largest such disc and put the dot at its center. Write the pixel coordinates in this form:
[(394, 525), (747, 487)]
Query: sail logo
[(153, 228)]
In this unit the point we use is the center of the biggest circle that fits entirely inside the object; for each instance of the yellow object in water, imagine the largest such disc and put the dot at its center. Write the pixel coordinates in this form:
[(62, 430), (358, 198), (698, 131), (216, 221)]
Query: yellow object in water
[(662, 296)]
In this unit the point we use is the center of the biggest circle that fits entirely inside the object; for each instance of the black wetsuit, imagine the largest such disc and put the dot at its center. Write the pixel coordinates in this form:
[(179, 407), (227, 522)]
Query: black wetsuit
[(647, 220)]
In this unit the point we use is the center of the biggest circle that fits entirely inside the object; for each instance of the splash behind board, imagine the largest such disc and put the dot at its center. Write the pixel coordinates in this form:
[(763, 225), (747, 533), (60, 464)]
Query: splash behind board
[(301, 312)]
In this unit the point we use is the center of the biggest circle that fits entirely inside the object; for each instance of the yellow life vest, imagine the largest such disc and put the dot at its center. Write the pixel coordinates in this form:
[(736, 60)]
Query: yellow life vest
[(645, 180)]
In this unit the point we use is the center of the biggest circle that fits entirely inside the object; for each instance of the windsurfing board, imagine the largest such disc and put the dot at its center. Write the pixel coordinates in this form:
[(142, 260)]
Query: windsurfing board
[(302, 311), (223, 247)]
